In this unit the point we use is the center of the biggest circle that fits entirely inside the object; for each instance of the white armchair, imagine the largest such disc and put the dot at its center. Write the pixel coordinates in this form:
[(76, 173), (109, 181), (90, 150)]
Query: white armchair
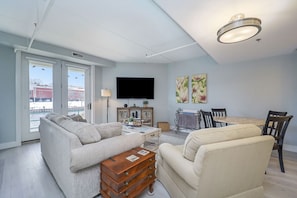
[(216, 162)]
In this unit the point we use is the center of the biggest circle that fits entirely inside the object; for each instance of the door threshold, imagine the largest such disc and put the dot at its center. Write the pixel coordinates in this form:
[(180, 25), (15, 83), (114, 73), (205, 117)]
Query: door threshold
[(30, 141)]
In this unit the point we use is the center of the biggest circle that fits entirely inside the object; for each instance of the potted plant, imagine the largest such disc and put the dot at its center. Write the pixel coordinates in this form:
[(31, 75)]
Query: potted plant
[(145, 103), (130, 121)]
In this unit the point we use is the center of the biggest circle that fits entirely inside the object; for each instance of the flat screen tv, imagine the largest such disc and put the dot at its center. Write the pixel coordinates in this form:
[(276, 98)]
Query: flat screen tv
[(128, 87)]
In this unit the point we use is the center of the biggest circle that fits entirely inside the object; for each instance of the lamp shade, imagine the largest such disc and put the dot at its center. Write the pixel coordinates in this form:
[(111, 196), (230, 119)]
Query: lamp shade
[(239, 29), (105, 92)]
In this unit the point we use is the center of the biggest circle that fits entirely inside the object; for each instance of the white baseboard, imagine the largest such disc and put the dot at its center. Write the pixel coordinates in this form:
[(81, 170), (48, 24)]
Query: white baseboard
[(9, 145), (291, 148)]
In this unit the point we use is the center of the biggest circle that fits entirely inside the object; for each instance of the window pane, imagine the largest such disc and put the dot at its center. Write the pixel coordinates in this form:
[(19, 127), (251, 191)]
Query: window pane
[(76, 91), (40, 92)]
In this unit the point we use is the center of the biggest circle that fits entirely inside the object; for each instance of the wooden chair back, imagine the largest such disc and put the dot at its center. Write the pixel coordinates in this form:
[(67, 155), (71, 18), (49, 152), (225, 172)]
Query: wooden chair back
[(208, 119), (219, 112), (276, 126)]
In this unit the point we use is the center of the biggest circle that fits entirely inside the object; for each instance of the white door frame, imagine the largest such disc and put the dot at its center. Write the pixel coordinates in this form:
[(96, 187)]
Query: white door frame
[(26, 135), (88, 89), (59, 85)]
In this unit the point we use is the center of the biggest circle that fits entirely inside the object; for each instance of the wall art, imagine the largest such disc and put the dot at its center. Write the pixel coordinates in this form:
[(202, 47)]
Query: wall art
[(199, 88), (182, 89)]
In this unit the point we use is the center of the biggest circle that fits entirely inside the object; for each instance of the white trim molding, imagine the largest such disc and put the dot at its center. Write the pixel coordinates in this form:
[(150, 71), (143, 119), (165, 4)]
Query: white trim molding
[(291, 148), (18, 85), (9, 145)]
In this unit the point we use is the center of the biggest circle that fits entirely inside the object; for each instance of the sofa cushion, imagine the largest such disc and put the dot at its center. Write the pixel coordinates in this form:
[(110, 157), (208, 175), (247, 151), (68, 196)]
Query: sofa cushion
[(77, 118), (51, 115), (86, 132), (108, 130), (92, 154), (212, 135), (56, 118)]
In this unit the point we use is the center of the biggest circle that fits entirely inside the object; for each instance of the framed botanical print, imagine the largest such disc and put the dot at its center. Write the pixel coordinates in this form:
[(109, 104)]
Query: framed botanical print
[(199, 88), (182, 89)]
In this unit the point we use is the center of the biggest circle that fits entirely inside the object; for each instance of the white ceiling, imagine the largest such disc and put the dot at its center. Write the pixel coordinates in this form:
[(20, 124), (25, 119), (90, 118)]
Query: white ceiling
[(148, 31), (202, 19)]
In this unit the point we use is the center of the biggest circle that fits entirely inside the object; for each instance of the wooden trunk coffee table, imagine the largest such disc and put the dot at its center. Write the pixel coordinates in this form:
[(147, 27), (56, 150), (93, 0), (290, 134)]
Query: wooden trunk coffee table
[(128, 174)]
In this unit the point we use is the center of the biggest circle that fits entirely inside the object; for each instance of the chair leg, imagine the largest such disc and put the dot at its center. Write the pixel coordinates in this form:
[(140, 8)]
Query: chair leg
[(280, 157)]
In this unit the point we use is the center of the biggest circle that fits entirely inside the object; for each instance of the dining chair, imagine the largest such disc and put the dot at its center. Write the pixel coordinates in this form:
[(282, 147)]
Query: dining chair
[(208, 119), (276, 126), (219, 112), (272, 114), (276, 113)]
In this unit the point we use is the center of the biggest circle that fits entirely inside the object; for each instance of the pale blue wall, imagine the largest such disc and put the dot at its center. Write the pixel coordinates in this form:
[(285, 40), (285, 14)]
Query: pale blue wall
[(97, 105), (245, 89), (157, 71), (7, 90)]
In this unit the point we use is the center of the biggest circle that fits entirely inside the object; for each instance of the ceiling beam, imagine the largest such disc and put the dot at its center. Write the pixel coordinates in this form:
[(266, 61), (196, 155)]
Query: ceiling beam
[(170, 50), (39, 22), (53, 51)]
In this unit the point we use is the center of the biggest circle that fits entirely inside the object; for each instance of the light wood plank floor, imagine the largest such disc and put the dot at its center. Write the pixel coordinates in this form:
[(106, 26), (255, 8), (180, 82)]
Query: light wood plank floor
[(23, 174), (278, 184)]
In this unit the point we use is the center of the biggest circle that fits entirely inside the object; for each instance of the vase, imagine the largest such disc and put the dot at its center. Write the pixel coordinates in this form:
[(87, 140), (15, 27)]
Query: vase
[(130, 123)]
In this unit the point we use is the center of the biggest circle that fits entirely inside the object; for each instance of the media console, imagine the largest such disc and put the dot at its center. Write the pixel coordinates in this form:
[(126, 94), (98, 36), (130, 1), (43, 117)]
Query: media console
[(146, 114)]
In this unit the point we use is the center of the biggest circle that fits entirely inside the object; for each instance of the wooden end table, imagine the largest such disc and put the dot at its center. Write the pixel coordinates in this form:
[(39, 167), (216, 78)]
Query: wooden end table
[(128, 174)]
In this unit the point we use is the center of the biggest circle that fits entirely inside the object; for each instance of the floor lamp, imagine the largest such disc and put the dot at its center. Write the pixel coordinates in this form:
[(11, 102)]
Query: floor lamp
[(106, 93)]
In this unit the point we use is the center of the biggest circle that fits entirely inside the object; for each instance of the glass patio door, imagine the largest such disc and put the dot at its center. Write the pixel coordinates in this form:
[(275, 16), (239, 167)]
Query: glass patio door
[(78, 96), (50, 85), (40, 92), (37, 94)]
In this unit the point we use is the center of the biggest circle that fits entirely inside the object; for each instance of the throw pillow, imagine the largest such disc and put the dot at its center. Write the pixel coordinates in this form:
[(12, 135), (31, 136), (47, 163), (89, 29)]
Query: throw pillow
[(108, 130), (86, 132), (77, 118), (51, 115), (58, 119)]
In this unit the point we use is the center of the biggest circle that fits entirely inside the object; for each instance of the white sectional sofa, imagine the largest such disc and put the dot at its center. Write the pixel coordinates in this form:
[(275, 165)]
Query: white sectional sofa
[(216, 162), (73, 151)]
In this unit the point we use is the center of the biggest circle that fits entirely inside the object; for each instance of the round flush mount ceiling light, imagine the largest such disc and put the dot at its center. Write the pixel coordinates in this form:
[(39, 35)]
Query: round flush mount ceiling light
[(239, 29)]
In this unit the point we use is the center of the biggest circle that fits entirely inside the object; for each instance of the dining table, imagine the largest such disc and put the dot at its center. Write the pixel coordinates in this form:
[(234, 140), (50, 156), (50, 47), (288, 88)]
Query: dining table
[(240, 120)]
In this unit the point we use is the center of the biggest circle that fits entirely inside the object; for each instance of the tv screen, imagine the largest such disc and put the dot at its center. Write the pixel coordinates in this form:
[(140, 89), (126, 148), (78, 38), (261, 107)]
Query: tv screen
[(128, 87)]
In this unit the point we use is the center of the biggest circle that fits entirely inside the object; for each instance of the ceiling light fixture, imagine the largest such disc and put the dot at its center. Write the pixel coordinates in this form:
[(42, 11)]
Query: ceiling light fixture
[(239, 29)]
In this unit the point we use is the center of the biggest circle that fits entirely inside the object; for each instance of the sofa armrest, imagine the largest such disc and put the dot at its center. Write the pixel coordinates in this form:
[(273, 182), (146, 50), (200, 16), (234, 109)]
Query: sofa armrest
[(173, 156), (238, 163), (56, 145), (92, 154)]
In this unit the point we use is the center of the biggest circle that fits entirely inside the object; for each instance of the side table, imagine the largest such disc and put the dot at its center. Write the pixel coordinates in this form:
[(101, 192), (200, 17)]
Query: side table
[(151, 135), (128, 174)]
